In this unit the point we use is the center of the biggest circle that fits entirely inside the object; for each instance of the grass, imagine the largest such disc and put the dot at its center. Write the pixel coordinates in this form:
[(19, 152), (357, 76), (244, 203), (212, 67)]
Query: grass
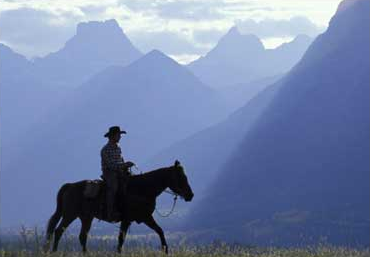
[(208, 251), (29, 244)]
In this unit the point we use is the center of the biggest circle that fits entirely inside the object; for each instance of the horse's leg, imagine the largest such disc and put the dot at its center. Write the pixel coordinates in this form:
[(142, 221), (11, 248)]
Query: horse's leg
[(60, 229), (153, 225), (85, 228), (122, 234)]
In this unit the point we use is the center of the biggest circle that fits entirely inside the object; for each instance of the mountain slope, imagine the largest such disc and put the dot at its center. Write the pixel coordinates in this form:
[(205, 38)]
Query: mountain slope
[(12, 62), (302, 172), (204, 153), (23, 97), (155, 99)]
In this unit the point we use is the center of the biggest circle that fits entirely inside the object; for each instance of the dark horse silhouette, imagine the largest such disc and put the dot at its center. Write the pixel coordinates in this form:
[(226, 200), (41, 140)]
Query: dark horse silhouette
[(142, 191)]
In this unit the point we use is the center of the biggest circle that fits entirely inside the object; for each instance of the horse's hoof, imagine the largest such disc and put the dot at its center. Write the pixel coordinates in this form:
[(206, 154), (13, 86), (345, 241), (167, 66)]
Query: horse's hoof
[(165, 249)]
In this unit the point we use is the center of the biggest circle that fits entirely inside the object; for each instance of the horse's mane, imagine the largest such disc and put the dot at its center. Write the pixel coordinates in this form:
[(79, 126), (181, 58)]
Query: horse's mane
[(151, 173), (150, 180)]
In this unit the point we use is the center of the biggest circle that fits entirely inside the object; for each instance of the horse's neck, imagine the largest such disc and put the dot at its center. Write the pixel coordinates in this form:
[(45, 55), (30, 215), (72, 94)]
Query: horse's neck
[(163, 181), (158, 181)]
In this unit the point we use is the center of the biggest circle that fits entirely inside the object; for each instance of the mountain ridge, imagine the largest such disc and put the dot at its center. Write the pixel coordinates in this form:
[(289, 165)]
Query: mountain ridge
[(307, 154), (241, 58)]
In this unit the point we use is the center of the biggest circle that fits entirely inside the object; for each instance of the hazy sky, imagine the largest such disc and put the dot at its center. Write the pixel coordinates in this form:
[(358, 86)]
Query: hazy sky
[(183, 29)]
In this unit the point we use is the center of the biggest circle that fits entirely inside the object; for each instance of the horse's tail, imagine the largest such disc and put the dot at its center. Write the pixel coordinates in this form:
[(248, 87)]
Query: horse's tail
[(55, 218)]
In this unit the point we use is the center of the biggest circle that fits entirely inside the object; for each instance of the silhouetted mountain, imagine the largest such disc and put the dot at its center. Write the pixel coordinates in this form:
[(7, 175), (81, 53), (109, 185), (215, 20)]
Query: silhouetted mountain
[(238, 95), (11, 62), (23, 97), (206, 151), (96, 46), (155, 99), (301, 172), (241, 58), (30, 89), (284, 57)]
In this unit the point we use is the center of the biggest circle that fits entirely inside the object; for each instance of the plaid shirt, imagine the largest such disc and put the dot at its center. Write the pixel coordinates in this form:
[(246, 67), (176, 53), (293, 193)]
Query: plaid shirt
[(111, 159)]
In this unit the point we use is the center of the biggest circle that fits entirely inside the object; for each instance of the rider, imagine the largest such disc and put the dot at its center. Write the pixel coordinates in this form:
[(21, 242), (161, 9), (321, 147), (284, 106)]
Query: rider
[(114, 168)]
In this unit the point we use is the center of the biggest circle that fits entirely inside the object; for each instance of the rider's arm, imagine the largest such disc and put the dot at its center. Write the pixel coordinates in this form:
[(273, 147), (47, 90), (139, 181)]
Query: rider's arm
[(112, 159)]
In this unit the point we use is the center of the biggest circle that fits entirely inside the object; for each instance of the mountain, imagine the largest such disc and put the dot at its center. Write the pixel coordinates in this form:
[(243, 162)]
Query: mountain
[(23, 97), (156, 100), (238, 95), (285, 56), (29, 89), (203, 153), (96, 46), (232, 59), (241, 58), (12, 62), (300, 174)]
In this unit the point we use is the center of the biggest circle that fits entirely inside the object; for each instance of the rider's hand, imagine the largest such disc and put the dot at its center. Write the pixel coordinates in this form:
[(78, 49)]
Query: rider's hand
[(130, 164)]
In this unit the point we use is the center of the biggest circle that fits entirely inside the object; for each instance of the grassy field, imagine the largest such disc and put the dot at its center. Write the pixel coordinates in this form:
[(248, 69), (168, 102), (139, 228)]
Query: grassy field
[(222, 251), (29, 243)]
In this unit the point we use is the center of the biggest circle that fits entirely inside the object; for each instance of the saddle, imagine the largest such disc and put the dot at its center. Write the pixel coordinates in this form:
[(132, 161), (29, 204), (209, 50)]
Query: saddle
[(93, 188)]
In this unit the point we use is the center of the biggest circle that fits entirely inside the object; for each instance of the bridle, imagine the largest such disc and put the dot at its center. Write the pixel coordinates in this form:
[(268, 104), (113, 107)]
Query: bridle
[(167, 191)]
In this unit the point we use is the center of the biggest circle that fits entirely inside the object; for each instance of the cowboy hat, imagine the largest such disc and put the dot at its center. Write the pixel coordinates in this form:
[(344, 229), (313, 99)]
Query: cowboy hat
[(114, 130)]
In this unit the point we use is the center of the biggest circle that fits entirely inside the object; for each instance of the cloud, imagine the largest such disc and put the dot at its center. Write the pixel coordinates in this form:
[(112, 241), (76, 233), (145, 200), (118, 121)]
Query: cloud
[(208, 36), (269, 28), (170, 43), (179, 10), (34, 32), (190, 10), (184, 58), (181, 27)]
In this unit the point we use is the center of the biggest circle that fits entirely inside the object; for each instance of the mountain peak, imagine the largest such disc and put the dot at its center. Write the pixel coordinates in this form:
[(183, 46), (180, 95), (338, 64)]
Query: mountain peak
[(155, 58), (233, 31), (235, 34), (95, 46), (101, 34), (233, 39), (93, 28), (156, 54)]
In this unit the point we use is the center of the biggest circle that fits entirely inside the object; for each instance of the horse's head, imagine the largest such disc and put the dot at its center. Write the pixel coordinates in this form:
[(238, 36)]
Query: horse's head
[(179, 182)]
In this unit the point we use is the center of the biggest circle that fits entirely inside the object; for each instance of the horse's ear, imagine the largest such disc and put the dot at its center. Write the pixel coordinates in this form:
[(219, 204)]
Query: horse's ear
[(177, 163)]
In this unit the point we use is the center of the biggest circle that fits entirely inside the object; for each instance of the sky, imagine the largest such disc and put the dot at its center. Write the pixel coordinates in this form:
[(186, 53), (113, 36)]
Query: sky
[(183, 29)]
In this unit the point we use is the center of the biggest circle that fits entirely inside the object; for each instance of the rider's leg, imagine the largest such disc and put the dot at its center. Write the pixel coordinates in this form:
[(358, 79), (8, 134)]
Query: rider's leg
[(112, 186)]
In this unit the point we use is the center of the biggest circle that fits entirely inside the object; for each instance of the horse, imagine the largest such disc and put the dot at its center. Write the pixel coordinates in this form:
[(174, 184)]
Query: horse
[(139, 204)]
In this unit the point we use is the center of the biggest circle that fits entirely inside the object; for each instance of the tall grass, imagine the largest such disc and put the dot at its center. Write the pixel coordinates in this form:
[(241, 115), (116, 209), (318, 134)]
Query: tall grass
[(29, 243), (207, 251)]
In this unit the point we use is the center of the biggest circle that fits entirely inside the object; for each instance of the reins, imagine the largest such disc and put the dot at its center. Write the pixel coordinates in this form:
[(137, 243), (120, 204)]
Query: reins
[(175, 196), (173, 205), (137, 168)]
